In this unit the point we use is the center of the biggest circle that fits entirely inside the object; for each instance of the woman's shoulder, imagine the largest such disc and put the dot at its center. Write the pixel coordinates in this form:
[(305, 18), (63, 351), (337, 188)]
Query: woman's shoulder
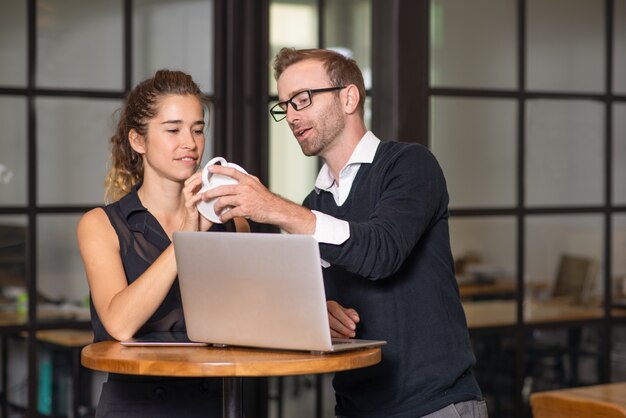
[(93, 222)]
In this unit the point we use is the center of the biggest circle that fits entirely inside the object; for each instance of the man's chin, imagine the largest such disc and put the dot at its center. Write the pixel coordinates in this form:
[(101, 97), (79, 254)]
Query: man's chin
[(308, 151)]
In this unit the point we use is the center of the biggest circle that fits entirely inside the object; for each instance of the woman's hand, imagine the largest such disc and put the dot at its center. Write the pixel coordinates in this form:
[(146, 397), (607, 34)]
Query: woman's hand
[(342, 321), (193, 220)]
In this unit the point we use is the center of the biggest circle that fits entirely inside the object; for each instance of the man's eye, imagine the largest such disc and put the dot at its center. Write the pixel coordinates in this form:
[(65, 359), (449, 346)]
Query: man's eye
[(199, 131), (173, 131)]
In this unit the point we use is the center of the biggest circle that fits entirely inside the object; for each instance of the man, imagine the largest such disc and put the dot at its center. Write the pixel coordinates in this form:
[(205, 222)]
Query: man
[(380, 213)]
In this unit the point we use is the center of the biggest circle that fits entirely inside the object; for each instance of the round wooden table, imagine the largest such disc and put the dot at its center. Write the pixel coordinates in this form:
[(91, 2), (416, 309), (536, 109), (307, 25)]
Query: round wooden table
[(230, 363)]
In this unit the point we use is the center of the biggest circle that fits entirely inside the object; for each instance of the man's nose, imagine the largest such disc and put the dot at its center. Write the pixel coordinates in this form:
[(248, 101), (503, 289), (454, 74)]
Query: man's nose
[(292, 113)]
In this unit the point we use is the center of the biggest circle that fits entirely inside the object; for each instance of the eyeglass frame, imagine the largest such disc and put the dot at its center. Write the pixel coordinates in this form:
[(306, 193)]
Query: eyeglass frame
[(283, 112)]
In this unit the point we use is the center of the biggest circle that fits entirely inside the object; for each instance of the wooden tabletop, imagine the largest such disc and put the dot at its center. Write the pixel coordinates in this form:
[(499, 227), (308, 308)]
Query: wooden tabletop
[(44, 313), (72, 338), (614, 393), (588, 401), (111, 356), (497, 288)]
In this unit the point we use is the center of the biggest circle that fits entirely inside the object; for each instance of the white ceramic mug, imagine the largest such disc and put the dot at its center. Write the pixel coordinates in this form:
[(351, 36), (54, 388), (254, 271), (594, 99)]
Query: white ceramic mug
[(210, 181)]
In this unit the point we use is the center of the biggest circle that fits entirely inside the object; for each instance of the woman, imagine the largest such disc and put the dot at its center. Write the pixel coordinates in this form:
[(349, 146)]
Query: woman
[(127, 245)]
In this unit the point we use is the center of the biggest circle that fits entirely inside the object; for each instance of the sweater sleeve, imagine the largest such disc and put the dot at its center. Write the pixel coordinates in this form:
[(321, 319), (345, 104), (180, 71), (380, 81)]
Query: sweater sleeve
[(410, 196)]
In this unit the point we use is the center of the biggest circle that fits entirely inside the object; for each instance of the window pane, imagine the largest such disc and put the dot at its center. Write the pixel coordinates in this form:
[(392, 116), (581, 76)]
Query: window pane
[(174, 35), (564, 153), (348, 29), (618, 353), (293, 23), (79, 44), (13, 285), (619, 47), (60, 273), (561, 358), (473, 44), (618, 271), (13, 182), (17, 373), (619, 153), (73, 136), (292, 174), (566, 45), (564, 263), (495, 371), (210, 137), (475, 142), (13, 43), (484, 251)]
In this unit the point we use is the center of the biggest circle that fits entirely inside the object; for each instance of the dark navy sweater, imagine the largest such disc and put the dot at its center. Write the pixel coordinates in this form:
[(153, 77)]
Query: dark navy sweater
[(396, 270)]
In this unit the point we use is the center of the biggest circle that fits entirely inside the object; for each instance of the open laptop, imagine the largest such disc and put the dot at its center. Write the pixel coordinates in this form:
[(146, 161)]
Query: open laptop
[(256, 290)]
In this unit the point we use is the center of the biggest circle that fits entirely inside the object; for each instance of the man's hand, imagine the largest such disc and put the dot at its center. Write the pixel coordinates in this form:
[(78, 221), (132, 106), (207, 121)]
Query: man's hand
[(342, 320), (250, 199)]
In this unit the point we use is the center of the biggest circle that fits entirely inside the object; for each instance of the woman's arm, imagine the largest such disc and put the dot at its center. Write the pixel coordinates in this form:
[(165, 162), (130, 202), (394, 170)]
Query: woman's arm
[(122, 308)]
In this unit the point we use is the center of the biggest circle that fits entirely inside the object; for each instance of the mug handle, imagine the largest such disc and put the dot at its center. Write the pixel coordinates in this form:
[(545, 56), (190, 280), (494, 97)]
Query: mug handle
[(207, 175)]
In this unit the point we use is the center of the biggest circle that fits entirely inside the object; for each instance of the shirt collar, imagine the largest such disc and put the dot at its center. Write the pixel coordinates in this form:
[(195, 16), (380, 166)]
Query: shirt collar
[(363, 153), (140, 220), (130, 204)]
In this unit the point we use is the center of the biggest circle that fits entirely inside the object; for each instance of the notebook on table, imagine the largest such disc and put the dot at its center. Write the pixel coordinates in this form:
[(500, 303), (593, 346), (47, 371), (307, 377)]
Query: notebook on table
[(255, 290)]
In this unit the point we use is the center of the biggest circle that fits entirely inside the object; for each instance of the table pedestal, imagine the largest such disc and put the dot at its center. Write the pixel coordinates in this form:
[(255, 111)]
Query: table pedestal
[(232, 403)]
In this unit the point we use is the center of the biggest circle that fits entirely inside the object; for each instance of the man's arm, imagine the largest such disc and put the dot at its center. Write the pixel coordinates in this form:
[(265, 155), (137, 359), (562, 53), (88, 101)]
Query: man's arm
[(412, 199)]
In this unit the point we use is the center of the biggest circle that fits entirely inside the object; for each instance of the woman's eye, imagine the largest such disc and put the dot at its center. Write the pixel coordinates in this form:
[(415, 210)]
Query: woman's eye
[(173, 131), (199, 132)]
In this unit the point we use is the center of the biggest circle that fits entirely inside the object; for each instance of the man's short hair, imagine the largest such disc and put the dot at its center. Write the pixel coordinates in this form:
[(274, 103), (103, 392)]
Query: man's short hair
[(340, 69)]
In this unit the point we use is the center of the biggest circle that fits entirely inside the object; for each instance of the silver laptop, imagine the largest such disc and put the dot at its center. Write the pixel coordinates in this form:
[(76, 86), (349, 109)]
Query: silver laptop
[(256, 290)]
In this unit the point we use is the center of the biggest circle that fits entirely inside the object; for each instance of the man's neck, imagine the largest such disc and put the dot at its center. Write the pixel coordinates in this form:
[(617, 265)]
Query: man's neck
[(338, 156)]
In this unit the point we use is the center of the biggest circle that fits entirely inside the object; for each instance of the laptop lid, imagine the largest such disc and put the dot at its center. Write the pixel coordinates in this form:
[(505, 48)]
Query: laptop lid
[(259, 290)]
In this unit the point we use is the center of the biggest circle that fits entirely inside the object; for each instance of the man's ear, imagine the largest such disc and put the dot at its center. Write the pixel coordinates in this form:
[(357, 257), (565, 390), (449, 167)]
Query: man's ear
[(352, 97), (137, 141)]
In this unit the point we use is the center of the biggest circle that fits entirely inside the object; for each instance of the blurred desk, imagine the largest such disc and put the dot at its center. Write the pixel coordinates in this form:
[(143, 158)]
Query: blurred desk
[(63, 342), (488, 290), (590, 401), (10, 318), (500, 313)]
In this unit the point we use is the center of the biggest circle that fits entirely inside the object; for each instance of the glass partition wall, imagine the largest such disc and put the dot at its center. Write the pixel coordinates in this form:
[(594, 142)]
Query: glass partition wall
[(526, 117), (67, 64)]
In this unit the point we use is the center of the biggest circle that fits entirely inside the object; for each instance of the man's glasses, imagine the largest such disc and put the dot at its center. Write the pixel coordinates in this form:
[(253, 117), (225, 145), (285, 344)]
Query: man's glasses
[(298, 101)]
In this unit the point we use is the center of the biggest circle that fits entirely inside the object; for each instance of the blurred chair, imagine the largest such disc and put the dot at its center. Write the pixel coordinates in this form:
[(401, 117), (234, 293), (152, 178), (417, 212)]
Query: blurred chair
[(546, 367), (554, 405), (576, 278)]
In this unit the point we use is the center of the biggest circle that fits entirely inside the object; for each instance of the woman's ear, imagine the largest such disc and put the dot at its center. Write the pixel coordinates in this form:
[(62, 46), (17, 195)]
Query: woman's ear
[(137, 141), (352, 97)]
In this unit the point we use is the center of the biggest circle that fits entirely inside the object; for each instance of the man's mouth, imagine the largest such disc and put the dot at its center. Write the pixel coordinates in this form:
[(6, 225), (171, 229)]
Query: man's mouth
[(300, 132)]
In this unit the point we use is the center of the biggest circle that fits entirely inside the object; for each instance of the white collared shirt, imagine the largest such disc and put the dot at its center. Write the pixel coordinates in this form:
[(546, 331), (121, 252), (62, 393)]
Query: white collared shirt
[(328, 229)]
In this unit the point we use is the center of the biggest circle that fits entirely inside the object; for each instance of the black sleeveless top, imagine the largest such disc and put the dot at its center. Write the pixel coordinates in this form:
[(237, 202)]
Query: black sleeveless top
[(142, 240)]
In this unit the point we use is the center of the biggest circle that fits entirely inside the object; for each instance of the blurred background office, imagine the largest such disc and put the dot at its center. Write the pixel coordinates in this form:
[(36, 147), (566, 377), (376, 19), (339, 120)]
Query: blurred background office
[(522, 101)]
